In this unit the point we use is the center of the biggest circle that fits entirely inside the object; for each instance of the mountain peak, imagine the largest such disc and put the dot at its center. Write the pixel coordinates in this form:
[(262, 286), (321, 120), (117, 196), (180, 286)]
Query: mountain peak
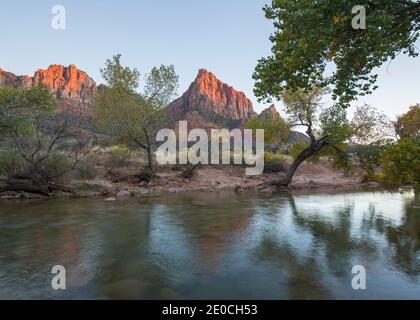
[(271, 111), (73, 87), (210, 96)]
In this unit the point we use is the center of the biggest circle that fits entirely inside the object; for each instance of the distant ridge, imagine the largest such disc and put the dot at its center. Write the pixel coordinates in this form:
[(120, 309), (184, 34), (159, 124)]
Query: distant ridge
[(73, 87)]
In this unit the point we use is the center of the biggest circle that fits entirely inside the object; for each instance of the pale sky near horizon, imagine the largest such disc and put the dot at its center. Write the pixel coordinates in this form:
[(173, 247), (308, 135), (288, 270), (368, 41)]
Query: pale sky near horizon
[(225, 36)]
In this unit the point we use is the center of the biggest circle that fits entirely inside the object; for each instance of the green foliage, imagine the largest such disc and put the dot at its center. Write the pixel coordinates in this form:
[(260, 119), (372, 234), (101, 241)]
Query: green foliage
[(161, 85), (401, 162), (118, 156), (36, 137), (11, 163), (297, 148), (21, 108), (276, 130), (118, 77), (370, 157), (52, 167), (335, 126), (130, 117), (302, 105), (408, 125), (309, 35), (274, 162)]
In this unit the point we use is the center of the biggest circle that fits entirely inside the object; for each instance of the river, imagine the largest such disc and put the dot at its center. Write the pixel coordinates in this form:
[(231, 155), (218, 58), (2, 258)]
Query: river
[(213, 246)]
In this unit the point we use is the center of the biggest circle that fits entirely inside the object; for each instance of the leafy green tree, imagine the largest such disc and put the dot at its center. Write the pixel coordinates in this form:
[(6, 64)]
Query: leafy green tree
[(33, 140), (408, 125), (130, 117), (311, 35), (401, 162), (327, 130), (370, 157)]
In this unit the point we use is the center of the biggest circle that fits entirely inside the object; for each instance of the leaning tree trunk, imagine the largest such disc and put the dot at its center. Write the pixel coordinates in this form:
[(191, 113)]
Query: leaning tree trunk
[(305, 154)]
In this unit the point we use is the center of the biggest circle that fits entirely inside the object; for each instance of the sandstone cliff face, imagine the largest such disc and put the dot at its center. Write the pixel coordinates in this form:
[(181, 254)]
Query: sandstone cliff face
[(73, 87), (212, 100)]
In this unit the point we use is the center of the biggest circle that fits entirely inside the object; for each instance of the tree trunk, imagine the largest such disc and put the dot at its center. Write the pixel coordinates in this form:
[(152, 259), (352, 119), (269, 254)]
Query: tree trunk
[(24, 185), (305, 154), (27, 185), (150, 159)]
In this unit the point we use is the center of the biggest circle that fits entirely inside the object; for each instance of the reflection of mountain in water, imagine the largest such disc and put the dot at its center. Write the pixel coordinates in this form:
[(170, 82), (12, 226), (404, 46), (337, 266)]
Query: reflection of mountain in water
[(214, 246)]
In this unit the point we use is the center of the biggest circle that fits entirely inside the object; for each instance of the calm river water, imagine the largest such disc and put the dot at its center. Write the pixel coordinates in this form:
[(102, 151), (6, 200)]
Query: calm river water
[(213, 246)]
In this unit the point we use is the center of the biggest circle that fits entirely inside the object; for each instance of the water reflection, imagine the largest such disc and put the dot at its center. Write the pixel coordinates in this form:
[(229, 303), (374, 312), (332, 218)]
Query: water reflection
[(214, 246)]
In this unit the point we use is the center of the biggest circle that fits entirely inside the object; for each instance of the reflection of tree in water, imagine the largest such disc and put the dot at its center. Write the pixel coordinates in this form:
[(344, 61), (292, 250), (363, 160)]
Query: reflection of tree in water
[(305, 273), (403, 240), (302, 275), (334, 248)]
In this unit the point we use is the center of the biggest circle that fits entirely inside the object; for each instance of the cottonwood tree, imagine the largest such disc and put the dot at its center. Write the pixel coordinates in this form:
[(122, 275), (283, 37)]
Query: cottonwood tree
[(130, 117), (309, 35), (327, 129), (401, 159), (38, 146)]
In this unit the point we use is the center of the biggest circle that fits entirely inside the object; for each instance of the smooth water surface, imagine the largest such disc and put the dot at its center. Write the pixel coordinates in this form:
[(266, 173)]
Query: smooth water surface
[(213, 246)]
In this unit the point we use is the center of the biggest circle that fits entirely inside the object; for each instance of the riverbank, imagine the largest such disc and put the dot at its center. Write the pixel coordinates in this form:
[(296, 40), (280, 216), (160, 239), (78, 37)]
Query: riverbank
[(122, 183)]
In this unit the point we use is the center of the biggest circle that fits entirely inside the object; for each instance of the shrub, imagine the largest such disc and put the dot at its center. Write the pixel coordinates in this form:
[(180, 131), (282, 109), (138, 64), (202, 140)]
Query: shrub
[(86, 168), (53, 167), (11, 163), (401, 162), (118, 157), (274, 162), (370, 158)]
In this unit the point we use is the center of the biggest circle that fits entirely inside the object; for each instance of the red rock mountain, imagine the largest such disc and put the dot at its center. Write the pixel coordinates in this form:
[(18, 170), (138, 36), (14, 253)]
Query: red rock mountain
[(73, 87), (209, 102)]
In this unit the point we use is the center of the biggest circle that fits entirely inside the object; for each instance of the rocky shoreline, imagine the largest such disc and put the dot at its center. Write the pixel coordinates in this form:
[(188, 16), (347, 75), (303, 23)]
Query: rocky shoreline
[(208, 179)]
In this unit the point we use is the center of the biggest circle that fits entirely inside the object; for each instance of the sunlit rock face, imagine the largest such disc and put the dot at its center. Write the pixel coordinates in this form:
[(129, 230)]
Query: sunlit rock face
[(73, 87), (270, 112), (209, 100)]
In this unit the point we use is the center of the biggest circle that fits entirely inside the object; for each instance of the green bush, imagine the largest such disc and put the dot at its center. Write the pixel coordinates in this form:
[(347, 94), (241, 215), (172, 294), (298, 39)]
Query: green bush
[(370, 158), (401, 162), (54, 166), (274, 162), (118, 156), (11, 163)]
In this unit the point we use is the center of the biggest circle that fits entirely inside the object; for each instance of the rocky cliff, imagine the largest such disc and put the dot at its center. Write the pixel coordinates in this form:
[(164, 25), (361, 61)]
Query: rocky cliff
[(73, 87), (212, 103)]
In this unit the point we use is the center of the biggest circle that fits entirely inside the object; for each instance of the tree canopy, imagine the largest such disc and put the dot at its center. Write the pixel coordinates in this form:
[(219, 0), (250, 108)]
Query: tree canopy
[(311, 34), (408, 124), (134, 118)]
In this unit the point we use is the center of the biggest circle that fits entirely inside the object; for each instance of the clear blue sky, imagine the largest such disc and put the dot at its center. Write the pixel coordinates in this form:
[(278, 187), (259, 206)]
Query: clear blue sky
[(225, 36)]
